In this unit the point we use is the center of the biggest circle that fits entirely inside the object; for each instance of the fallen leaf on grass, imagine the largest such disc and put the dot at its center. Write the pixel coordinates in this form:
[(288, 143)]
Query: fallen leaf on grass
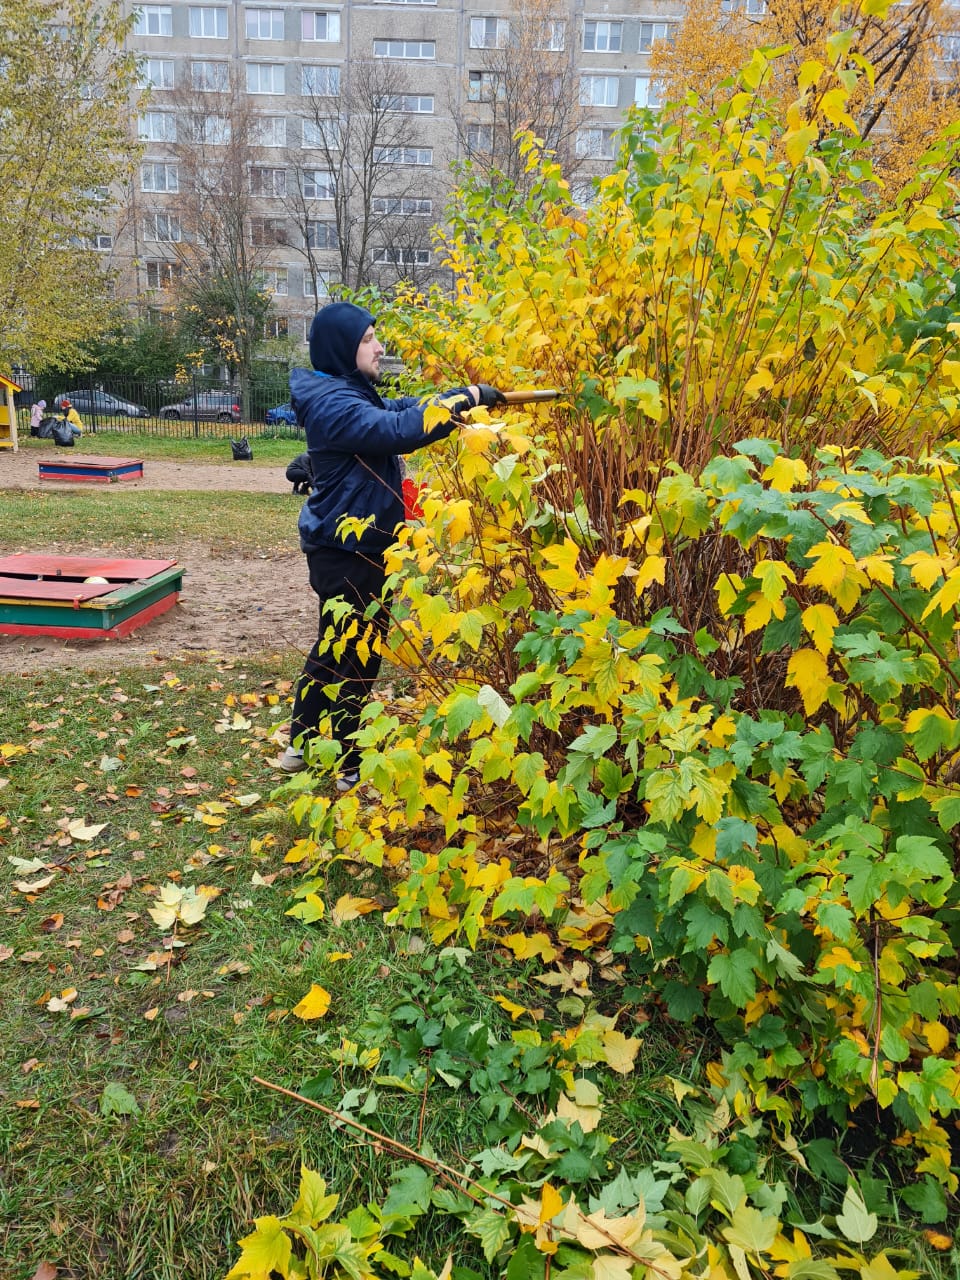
[(116, 1100), (45, 1271), (52, 923), (186, 905), (27, 866), (126, 935), (110, 763), (30, 1065), (349, 908), (31, 957), (313, 1005), (34, 886), (80, 830), (5, 953), (62, 1002), (28, 1104), (151, 1013), (10, 749)]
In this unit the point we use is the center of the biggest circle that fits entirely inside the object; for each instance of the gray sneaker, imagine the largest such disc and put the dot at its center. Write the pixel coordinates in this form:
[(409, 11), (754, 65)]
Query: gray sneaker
[(291, 761), (347, 781)]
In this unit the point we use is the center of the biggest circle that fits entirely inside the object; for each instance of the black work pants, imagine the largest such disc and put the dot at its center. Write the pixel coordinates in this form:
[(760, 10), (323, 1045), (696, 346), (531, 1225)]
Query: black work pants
[(333, 660)]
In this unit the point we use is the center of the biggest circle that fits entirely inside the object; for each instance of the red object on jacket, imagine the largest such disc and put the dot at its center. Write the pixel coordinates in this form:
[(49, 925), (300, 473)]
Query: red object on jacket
[(412, 509)]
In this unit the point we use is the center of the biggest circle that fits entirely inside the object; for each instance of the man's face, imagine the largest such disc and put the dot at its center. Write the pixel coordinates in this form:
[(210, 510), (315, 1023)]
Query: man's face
[(368, 355)]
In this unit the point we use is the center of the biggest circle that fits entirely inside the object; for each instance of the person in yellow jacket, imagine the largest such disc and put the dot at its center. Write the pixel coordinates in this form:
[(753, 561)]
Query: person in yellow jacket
[(71, 417)]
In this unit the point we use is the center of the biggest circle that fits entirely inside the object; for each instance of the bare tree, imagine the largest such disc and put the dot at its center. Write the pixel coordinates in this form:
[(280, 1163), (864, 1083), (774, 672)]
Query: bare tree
[(358, 197), (221, 216), (523, 78)]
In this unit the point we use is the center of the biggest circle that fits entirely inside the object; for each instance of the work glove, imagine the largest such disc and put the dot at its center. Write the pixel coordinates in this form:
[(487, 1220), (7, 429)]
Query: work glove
[(489, 396)]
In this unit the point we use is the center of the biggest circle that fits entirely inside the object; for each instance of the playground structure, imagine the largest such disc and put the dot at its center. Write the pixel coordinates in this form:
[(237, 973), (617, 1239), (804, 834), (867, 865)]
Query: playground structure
[(84, 597)]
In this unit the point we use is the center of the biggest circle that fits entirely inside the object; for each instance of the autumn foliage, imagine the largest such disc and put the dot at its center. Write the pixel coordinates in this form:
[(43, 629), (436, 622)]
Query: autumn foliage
[(683, 645)]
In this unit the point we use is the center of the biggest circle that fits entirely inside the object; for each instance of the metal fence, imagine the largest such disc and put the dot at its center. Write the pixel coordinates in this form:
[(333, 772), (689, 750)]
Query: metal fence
[(195, 408)]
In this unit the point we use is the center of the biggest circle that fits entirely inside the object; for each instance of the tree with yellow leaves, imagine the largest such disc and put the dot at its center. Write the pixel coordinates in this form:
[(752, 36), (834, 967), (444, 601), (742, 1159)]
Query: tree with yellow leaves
[(910, 91)]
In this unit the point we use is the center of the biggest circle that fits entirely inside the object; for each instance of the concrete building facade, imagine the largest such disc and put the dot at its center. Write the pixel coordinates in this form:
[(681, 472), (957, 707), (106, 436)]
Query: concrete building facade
[(292, 84)]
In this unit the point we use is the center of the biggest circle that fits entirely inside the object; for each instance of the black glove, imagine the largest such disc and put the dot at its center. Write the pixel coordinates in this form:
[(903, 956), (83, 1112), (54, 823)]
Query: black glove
[(489, 396)]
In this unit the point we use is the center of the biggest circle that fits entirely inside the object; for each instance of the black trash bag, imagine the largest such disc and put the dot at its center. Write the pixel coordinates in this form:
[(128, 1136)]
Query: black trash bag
[(62, 433), (241, 450), (44, 428), (300, 473)]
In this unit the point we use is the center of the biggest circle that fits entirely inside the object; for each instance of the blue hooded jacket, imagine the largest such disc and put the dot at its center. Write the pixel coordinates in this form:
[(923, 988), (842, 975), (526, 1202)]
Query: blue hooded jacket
[(354, 437)]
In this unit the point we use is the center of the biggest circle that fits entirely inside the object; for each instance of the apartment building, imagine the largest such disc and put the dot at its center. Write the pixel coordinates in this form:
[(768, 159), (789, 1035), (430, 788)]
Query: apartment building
[(341, 124)]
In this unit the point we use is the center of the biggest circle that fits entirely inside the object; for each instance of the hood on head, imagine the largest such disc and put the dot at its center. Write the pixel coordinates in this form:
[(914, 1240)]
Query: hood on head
[(335, 335)]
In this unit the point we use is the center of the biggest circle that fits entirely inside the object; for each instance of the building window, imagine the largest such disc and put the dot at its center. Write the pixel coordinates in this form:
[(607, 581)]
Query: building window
[(422, 49), (414, 103), (103, 242), (160, 274), (271, 183), (489, 33), (602, 37), (158, 176), (268, 131), (274, 280), (402, 206), (162, 226), (275, 327), (265, 77), (647, 92), (154, 20), (484, 86), (320, 82), (265, 232), (752, 8), (479, 138), (208, 22), (322, 133), (583, 191), (950, 47), (403, 155), (212, 130), (158, 73), (157, 126), (321, 235), (210, 77), (597, 143), (651, 32), (264, 24), (407, 1), (552, 37), (320, 26), (324, 279), (387, 255), (317, 184), (599, 91)]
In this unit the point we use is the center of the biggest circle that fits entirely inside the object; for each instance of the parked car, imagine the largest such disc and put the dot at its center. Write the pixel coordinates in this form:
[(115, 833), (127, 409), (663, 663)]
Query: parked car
[(100, 404), (219, 406), (281, 413)]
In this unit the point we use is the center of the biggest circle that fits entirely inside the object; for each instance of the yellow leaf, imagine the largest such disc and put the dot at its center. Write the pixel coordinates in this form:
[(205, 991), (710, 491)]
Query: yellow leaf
[(620, 1051), (807, 673), (550, 1203), (435, 414), (564, 557), (785, 473), (527, 945), (313, 1005), (349, 908), (820, 622), (80, 831), (728, 587), (653, 569), (947, 596), (937, 1036), (514, 1010), (797, 141)]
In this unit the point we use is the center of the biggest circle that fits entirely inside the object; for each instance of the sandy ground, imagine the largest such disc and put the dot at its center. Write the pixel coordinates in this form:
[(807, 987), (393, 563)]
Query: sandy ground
[(232, 604)]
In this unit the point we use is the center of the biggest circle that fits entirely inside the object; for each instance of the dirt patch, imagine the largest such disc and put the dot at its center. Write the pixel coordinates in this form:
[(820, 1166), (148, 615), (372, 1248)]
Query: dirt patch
[(231, 603)]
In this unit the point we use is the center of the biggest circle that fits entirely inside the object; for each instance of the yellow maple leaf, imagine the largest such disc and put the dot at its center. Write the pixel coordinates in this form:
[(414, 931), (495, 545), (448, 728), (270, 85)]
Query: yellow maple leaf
[(313, 1005), (820, 622), (620, 1051), (350, 908), (807, 673)]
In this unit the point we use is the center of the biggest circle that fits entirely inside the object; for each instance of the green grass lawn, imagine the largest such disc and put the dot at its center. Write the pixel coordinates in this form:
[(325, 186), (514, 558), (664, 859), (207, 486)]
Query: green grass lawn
[(133, 1141), (268, 451)]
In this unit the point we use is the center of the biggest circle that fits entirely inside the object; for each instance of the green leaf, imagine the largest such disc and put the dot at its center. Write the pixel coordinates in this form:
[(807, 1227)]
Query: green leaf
[(734, 973), (117, 1101), (491, 1228), (928, 1199), (751, 1230), (856, 1223), (409, 1193), (313, 1205)]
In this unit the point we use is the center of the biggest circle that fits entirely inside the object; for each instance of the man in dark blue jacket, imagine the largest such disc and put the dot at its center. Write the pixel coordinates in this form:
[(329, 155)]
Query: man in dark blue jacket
[(354, 439)]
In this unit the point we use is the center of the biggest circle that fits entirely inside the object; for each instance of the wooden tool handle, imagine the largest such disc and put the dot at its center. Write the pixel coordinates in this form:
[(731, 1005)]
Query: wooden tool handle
[(530, 394)]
